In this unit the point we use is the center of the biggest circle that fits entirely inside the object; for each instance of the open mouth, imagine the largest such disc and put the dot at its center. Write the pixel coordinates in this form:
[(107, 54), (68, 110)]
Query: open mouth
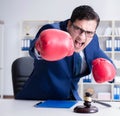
[(78, 44)]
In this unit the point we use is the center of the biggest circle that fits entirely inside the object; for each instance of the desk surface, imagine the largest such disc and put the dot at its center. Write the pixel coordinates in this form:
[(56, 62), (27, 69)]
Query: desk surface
[(11, 107)]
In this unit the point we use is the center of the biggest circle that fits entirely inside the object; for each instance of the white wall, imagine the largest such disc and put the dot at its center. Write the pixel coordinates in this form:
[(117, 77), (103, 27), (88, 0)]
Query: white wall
[(12, 12)]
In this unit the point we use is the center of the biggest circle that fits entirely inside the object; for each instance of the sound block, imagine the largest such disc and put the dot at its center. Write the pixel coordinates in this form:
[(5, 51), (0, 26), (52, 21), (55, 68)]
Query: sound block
[(84, 109)]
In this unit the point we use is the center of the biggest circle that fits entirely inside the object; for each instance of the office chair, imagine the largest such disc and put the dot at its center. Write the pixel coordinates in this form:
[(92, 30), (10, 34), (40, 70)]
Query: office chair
[(21, 69)]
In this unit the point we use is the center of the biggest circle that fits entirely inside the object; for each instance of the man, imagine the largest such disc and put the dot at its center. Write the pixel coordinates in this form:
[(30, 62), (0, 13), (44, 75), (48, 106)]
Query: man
[(58, 79)]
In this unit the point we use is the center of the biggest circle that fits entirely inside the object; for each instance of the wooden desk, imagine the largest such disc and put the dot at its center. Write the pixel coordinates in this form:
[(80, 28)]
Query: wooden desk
[(11, 107)]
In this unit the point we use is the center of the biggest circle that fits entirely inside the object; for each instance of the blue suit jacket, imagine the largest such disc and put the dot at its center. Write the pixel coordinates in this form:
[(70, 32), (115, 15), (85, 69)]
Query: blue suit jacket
[(58, 79)]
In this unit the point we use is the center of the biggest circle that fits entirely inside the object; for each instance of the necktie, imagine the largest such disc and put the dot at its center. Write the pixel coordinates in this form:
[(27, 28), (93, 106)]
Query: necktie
[(77, 64), (77, 68)]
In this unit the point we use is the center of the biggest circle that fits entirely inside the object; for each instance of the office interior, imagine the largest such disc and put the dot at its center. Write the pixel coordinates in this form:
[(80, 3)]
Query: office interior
[(14, 12)]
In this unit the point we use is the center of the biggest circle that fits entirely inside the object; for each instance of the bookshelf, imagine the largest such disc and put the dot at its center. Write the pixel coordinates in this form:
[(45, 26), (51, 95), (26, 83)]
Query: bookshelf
[(101, 91), (109, 38), (28, 30)]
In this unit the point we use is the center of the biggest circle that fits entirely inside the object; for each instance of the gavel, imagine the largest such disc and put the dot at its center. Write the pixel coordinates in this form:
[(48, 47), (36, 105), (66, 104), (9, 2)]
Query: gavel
[(87, 107)]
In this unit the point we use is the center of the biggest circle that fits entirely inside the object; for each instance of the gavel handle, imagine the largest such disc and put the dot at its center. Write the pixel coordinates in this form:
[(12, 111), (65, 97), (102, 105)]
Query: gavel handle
[(105, 104)]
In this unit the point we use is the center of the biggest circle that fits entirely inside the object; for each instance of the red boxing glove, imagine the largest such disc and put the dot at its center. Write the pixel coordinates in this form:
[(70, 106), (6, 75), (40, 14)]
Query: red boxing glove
[(54, 44), (103, 70)]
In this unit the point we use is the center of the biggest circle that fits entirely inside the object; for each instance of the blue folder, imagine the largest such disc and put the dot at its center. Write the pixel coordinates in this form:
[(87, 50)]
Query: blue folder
[(56, 104)]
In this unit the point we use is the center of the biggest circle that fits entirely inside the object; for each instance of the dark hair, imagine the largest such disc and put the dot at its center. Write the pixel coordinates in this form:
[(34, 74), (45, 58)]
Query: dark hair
[(84, 12)]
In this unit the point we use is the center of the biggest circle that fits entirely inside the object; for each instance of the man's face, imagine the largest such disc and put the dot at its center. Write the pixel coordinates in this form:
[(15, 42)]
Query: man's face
[(82, 32)]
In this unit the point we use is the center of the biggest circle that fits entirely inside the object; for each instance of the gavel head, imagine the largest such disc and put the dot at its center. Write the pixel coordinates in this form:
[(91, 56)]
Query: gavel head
[(87, 99)]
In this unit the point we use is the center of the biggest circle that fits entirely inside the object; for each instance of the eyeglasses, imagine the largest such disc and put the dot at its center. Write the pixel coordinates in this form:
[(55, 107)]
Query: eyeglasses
[(79, 31)]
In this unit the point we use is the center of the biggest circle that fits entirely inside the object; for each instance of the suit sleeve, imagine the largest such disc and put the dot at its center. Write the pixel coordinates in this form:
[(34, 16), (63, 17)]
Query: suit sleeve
[(93, 51)]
